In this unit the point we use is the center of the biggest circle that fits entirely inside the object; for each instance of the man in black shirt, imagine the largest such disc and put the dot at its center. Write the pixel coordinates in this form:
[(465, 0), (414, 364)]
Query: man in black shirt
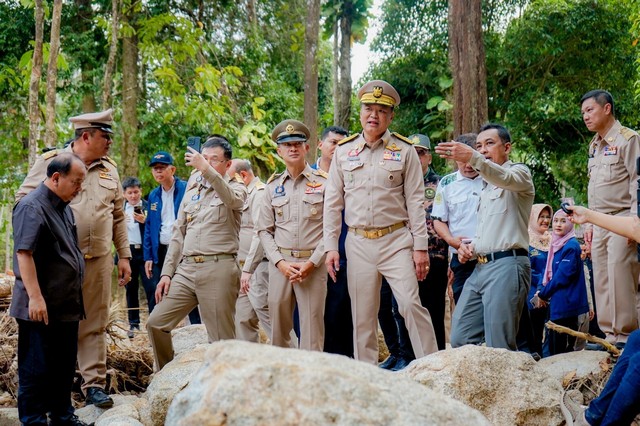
[(47, 297)]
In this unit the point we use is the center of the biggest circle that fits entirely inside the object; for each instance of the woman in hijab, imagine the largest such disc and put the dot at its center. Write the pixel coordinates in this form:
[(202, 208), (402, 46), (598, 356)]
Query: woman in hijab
[(539, 241), (563, 285)]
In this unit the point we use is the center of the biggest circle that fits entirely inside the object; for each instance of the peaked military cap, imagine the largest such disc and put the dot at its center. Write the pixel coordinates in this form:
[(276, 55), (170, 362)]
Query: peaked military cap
[(420, 141), (290, 131), (379, 92), (94, 120)]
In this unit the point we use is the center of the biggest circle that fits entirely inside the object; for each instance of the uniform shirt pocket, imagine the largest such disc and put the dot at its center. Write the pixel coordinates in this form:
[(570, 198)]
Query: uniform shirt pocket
[(281, 209), (391, 174), (108, 190), (349, 171), (312, 206), (217, 211), (498, 200)]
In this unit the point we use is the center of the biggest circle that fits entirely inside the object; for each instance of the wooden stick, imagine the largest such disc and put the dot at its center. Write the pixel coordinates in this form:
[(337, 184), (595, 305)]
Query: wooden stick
[(586, 336)]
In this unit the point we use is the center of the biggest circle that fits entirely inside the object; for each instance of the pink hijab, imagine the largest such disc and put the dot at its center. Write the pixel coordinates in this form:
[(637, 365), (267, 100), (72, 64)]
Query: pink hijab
[(556, 244)]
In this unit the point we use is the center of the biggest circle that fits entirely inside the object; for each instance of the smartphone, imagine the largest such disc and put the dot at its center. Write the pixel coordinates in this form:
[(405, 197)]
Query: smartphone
[(194, 142), (138, 210)]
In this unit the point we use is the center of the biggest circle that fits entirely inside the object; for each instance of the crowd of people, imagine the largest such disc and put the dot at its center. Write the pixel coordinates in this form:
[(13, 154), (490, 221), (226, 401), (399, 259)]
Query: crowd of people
[(320, 255)]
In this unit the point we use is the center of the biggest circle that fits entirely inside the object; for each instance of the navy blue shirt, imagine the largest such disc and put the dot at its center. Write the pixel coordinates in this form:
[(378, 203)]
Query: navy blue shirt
[(44, 225)]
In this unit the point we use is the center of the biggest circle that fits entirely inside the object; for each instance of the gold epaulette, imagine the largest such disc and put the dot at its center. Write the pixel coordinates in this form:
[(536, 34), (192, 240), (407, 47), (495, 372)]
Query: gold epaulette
[(273, 177), (320, 172), (402, 138), (260, 185), (238, 179), (110, 160), (194, 171), (627, 133), (49, 154), (349, 138)]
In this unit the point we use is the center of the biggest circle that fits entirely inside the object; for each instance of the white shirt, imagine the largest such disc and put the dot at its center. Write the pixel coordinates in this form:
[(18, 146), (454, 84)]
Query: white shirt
[(167, 215), (456, 203), (133, 227)]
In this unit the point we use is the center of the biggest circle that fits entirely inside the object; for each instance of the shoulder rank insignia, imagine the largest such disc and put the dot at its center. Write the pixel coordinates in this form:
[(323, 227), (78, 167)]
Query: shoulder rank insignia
[(349, 138), (110, 160), (320, 172), (260, 185), (49, 154), (402, 138), (627, 133), (238, 178), (273, 177)]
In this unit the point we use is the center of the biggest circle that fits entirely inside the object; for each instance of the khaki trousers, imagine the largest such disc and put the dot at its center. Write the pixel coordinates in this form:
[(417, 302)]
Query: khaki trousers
[(214, 286), (253, 308), (615, 271), (310, 296), (92, 339), (389, 256)]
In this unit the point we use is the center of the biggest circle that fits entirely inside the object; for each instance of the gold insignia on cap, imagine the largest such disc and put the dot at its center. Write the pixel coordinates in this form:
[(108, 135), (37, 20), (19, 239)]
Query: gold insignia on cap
[(377, 91), (289, 128), (415, 140)]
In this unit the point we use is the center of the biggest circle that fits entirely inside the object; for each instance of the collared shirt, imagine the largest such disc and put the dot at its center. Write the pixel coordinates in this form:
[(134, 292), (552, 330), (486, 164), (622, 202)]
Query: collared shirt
[(167, 215), (291, 214), (255, 190), (44, 225), (437, 246), (456, 202), (377, 186), (612, 170), (505, 205), (133, 227), (98, 208), (209, 219)]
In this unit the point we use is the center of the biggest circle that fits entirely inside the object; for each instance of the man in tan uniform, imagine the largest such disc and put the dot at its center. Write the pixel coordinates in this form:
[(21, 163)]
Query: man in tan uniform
[(252, 306), (201, 267), (612, 190), (377, 179), (290, 229), (100, 219)]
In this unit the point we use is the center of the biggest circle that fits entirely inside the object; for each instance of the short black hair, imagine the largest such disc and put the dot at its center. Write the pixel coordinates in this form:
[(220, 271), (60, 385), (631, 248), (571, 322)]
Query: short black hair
[(503, 133), (79, 132), (335, 129), (602, 97), (216, 140), (61, 163), (131, 182), (468, 139)]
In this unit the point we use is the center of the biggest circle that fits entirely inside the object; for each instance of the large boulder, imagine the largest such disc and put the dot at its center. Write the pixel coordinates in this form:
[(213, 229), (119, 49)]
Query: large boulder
[(168, 382), (507, 387), (576, 365), (250, 384), (186, 338)]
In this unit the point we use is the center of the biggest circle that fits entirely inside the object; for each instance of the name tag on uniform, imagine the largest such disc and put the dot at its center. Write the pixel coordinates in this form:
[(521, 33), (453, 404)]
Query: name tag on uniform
[(153, 207), (610, 150)]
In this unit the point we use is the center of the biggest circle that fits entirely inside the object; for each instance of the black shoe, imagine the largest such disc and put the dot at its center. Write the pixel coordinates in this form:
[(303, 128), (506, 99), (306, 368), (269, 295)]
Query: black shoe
[(99, 398), (620, 345), (401, 364), (389, 363), (71, 421)]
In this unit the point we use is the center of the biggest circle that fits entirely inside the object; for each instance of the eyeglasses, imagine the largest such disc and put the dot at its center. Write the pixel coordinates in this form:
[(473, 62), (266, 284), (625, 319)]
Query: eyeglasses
[(423, 152)]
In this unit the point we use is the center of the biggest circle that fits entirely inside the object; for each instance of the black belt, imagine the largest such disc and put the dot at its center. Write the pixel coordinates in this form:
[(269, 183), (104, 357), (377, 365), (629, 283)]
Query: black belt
[(490, 257), (135, 246)]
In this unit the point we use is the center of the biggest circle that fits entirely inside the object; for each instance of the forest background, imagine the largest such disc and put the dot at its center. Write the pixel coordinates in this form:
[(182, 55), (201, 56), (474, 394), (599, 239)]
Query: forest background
[(175, 68)]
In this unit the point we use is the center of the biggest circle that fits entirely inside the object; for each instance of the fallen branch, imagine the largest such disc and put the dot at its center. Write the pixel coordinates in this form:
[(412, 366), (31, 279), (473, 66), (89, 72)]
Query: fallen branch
[(586, 336)]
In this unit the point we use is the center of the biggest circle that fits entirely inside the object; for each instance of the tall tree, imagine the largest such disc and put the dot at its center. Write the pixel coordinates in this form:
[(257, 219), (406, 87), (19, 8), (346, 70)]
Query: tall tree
[(84, 25), (51, 137), (110, 66), (34, 85), (129, 90), (311, 74), (467, 59)]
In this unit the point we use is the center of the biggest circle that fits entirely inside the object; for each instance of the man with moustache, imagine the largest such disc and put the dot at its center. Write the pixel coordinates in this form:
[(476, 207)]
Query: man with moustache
[(493, 297), (376, 179), (101, 221)]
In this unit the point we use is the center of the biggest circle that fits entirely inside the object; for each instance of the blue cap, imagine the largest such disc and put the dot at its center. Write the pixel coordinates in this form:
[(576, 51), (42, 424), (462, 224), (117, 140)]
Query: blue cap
[(161, 157)]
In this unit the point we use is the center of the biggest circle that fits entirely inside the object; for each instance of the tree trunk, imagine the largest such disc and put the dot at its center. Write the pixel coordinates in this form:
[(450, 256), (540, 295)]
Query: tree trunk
[(111, 62), (129, 100), (34, 85), (467, 60), (84, 23), (311, 34), (336, 72), (344, 108), (51, 137)]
